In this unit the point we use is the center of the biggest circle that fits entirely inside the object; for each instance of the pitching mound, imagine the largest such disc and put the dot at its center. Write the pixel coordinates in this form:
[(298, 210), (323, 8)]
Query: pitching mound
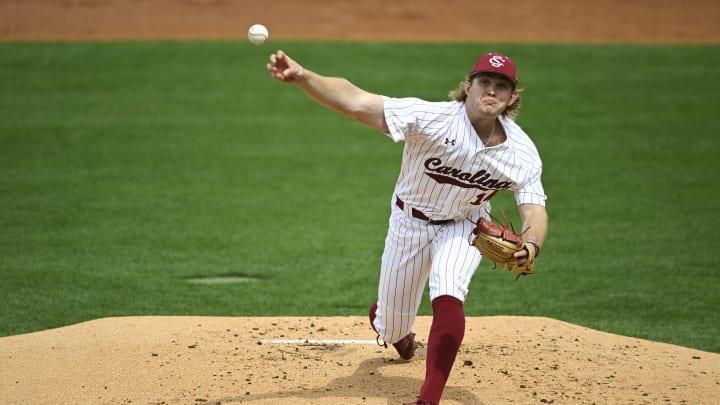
[(172, 360)]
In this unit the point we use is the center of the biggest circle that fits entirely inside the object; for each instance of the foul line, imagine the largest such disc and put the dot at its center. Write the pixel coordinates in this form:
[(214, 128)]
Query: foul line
[(318, 342)]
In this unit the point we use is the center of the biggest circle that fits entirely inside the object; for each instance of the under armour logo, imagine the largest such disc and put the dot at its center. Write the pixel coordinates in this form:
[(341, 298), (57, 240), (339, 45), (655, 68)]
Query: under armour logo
[(449, 141), (497, 61)]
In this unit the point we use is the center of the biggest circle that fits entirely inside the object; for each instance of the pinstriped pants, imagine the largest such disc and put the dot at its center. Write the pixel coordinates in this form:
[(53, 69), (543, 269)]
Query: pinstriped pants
[(415, 253)]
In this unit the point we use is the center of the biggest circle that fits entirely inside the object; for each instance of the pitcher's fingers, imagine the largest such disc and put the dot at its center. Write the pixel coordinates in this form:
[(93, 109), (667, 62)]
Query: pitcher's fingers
[(277, 57), (520, 253)]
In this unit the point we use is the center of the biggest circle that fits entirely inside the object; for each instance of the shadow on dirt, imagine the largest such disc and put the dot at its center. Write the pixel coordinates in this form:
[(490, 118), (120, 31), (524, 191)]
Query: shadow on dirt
[(365, 383)]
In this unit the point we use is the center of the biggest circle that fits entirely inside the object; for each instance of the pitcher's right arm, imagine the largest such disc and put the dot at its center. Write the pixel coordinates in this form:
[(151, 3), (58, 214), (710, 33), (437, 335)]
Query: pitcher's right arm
[(335, 93)]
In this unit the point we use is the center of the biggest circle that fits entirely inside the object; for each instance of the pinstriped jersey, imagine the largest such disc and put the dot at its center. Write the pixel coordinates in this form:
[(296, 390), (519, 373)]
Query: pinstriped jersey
[(447, 172)]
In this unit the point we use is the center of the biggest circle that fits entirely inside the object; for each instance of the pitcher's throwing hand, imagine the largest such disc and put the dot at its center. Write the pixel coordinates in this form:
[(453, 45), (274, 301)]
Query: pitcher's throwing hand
[(283, 68)]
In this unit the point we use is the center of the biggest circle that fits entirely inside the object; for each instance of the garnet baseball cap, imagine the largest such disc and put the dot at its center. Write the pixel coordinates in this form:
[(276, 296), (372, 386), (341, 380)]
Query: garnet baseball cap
[(496, 63)]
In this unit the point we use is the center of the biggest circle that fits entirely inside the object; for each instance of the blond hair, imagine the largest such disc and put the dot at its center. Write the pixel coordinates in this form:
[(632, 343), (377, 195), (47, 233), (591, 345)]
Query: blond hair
[(510, 111)]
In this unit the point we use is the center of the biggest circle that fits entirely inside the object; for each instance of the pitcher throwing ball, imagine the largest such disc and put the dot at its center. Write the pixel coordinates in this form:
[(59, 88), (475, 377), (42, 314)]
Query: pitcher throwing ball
[(457, 155)]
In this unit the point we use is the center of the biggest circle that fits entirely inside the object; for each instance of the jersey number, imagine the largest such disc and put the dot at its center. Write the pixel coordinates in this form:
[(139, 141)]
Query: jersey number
[(481, 198)]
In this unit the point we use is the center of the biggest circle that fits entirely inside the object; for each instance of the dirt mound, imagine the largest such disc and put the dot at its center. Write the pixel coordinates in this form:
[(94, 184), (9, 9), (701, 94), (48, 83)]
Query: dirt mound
[(335, 360)]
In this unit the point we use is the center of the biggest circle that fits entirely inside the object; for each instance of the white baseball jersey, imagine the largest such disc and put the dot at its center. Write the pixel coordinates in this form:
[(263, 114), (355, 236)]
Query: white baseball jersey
[(446, 173)]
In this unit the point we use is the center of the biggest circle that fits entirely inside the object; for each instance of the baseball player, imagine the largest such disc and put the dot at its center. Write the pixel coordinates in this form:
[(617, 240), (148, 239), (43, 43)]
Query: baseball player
[(457, 155)]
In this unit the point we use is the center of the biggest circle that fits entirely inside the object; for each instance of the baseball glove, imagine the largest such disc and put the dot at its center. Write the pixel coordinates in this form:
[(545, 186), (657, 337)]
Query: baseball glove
[(499, 244)]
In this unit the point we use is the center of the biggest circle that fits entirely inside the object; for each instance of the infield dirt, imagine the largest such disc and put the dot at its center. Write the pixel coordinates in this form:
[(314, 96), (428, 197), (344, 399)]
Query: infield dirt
[(651, 21), (185, 360)]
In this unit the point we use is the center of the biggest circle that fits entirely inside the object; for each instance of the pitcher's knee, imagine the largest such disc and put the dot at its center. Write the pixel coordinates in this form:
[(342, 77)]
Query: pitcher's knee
[(391, 326)]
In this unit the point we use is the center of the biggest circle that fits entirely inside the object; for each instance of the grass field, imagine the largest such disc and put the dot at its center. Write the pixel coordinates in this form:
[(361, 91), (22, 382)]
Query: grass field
[(127, 169)]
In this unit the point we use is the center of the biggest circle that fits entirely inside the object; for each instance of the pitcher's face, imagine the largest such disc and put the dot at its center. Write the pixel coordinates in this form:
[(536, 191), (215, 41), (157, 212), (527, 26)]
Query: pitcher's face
[(489, 94)]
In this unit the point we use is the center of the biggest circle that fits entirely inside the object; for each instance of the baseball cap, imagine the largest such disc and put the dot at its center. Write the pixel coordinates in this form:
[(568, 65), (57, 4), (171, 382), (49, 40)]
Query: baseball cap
[(496, 63)]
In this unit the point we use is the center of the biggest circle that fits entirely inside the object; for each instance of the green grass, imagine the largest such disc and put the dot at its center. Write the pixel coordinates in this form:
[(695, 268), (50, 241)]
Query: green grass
[(128, 168)]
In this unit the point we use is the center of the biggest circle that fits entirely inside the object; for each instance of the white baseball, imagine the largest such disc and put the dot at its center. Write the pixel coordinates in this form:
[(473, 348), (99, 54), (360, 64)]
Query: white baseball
[(258, 34)]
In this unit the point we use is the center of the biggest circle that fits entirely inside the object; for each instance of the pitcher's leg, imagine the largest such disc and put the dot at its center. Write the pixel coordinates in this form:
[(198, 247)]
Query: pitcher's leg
[(446, 335), (454, 261), (454, 264), (403, 276)]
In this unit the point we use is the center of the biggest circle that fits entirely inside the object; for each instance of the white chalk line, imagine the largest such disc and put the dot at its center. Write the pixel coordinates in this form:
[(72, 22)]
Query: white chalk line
[(318, 342)]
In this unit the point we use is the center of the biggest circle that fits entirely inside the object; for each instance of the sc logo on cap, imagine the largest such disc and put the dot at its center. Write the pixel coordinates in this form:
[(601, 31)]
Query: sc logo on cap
[(497, 61)]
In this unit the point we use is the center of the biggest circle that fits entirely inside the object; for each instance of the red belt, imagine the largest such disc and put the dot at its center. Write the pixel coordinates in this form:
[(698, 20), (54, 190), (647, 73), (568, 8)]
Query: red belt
[(419, 215)]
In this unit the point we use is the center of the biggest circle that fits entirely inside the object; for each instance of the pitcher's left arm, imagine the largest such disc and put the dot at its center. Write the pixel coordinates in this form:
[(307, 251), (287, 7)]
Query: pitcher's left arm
[(534, 225)]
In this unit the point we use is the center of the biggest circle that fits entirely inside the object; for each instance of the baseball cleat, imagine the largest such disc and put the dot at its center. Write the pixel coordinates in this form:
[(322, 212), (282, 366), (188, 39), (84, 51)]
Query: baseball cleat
[(420, 402), (406, 346)]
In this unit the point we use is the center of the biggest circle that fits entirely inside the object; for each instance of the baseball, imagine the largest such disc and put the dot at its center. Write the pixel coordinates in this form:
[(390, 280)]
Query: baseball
[(257, 34)]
